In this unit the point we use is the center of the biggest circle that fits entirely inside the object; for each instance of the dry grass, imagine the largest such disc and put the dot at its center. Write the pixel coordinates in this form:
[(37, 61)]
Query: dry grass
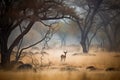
[(73, 69), (60, 75)]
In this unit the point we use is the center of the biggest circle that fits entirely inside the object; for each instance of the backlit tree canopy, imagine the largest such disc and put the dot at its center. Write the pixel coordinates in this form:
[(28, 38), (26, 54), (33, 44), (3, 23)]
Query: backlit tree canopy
[(14, 12)]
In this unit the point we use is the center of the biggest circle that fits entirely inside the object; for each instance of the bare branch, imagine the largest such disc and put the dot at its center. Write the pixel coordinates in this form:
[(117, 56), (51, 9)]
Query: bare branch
[(16, 41), (33, 44)]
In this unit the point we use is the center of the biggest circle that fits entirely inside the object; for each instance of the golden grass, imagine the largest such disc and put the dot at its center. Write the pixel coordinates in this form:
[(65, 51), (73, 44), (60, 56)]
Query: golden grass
[(60, 75), (100, 60)]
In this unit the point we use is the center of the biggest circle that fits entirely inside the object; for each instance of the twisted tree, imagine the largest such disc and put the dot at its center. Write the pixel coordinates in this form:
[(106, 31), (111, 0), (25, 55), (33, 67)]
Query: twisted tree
[(14, 12), (106, 10)]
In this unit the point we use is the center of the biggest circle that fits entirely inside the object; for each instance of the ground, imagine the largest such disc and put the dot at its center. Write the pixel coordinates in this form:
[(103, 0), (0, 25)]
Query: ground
[(96, 65)]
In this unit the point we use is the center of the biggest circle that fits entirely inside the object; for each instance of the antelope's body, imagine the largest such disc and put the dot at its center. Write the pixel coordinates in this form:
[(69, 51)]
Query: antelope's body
[(63, 56)]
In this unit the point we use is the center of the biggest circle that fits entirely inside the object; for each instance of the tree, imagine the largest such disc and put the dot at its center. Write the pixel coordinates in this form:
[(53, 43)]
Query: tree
[(111, 29), (62, 33), (14, 12), (110, 15), (91, 8)]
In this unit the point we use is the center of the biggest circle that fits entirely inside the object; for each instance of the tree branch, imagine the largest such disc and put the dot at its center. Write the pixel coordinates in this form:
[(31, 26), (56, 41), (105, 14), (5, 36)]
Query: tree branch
[(16, 41), (34, 43)]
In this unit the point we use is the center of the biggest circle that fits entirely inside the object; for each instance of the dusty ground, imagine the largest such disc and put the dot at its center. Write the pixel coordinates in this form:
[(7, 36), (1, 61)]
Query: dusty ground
[(76, 67)]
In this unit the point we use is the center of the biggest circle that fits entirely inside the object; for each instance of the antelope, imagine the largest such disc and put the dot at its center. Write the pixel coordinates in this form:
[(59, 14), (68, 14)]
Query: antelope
[(63, 56)]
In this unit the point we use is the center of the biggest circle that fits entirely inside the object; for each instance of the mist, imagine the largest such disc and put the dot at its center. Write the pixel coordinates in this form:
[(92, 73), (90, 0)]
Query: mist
[(70, 33)]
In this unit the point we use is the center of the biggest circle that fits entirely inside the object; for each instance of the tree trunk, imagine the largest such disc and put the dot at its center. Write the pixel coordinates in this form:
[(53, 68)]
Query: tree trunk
[(84, 47), (5, 60), (5, 53), (5, 57), (112, 47)]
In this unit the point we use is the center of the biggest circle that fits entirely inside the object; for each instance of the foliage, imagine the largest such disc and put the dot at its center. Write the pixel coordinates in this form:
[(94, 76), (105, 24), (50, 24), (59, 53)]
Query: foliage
[(14, 12)]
